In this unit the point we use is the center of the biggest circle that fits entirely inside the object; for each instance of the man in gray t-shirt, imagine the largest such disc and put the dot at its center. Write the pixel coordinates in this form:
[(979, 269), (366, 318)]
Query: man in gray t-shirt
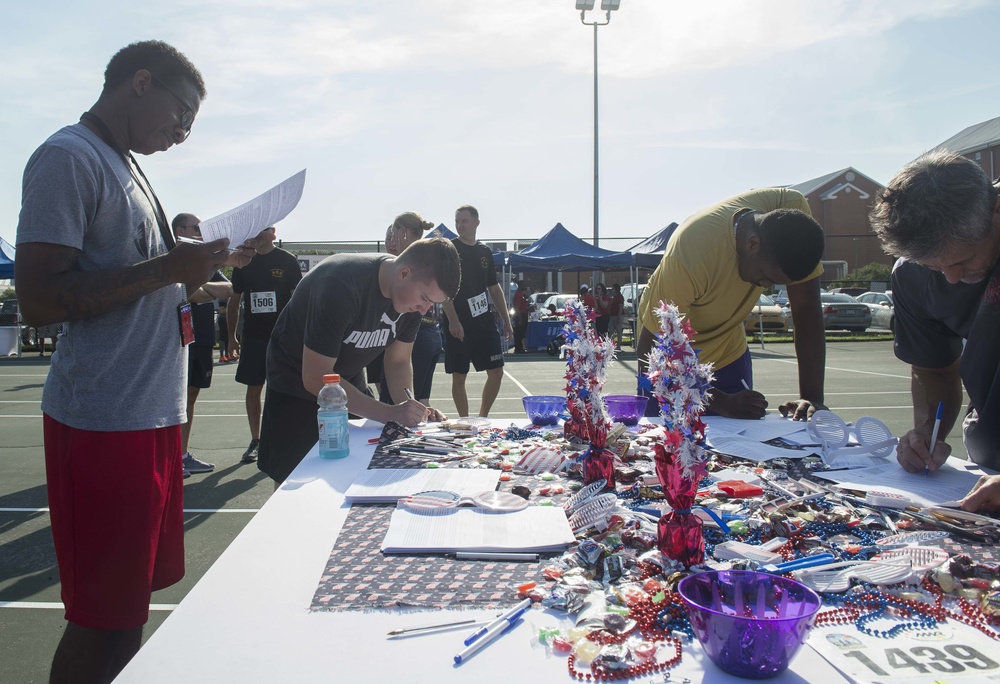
[(94, 251)]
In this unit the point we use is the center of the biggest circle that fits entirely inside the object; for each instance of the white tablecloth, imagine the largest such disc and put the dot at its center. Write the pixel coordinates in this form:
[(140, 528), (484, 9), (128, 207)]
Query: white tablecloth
[(248, 619)]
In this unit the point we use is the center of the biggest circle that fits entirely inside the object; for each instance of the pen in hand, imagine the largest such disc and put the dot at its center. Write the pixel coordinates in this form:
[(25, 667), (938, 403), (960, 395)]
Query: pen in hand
[(934, 436)]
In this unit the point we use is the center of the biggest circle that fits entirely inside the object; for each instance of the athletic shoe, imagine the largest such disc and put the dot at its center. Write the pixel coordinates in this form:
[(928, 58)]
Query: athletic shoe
[(187, 473), (196, 465), (250, 455)]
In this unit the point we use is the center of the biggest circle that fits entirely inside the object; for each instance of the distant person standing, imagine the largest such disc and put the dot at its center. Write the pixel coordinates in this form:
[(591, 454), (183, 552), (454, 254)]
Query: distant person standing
[(616, 310), (265, 286), (602, 306), (522, 309), (406, 229), (221, 306), (200, 352), (473, 337)]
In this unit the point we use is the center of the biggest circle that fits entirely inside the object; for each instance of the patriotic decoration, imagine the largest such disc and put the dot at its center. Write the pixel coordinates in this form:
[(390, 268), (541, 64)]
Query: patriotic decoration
[(541, 459), (679, 383), (587, 359)]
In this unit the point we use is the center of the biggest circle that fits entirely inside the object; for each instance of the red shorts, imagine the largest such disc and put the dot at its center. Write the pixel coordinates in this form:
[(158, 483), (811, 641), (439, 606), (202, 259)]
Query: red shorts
[(116, 501)]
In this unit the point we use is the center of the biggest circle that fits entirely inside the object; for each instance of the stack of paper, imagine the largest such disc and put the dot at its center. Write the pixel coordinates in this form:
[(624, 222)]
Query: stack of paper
[(536, 529), (950, 482)]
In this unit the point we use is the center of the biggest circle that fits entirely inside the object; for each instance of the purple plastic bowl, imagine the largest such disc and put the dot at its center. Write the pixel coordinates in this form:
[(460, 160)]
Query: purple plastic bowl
[(625, 408), (544, 410), (750, 624)]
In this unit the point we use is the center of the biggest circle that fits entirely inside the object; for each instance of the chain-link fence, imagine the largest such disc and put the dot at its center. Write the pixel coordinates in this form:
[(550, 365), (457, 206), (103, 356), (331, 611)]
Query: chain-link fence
[(844, 254)]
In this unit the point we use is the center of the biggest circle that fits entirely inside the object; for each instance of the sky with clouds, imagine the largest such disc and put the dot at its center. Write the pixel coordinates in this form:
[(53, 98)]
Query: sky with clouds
[(424, 105)]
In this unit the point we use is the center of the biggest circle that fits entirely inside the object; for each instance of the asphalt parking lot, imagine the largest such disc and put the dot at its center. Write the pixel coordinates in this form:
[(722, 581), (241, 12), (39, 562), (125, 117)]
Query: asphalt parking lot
[(862, 378)]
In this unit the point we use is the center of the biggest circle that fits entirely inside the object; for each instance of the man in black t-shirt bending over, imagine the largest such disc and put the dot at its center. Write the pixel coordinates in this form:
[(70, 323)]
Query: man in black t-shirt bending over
[(343, 314), (472, 334)]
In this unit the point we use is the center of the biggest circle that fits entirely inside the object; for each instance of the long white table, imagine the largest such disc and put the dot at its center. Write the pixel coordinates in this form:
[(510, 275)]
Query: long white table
[(248, 619)]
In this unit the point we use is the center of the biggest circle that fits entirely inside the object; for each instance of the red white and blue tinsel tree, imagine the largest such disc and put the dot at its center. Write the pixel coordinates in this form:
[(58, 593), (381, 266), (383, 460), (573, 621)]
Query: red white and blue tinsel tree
[(587, 359), (679, 383)]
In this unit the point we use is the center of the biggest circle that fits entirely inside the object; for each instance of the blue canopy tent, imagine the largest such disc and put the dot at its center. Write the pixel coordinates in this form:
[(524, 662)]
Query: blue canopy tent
[(6, 260), (649, 252), (441, 231), (560, 250)]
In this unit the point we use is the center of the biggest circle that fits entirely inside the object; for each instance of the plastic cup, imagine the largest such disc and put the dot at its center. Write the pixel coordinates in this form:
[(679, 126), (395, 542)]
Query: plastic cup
[(750, 624), (544, 410), (625, 408)]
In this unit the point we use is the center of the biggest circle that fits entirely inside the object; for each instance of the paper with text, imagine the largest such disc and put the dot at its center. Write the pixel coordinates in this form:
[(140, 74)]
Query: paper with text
[(951, 481), (392, 484), (766, 429), (751, 449), (249, 219), (446, 530)]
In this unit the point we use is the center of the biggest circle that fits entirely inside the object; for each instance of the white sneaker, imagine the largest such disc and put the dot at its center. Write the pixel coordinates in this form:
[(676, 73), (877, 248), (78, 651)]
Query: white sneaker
[(195, 465)]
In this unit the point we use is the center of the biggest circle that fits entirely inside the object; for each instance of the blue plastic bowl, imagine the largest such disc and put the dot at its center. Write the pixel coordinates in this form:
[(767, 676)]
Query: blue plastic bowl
[(544, 410), (625, 408)]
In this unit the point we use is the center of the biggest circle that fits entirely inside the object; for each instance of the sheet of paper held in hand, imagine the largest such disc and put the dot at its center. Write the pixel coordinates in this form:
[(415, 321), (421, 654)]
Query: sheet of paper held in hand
[(948, 484), (446, 530), (247, 220)]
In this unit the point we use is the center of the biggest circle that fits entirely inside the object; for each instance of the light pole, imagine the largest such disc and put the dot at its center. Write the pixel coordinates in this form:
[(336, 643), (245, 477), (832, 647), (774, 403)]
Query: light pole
[(607, 6)]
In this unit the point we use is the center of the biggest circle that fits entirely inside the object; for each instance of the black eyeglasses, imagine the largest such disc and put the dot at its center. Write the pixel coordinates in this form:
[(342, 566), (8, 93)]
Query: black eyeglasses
[(187, 113)]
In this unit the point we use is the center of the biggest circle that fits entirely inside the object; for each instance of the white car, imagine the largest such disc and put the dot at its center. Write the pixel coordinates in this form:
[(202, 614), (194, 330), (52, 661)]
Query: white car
[(632, 294), (880, 304), (558, 301)]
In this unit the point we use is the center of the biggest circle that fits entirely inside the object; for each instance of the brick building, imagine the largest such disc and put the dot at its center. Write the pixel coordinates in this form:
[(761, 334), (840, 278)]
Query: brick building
[(980, 143), (840, 203)]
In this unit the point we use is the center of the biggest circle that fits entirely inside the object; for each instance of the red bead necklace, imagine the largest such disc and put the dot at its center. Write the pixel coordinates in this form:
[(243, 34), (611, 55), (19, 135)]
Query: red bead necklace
[(643, 612)]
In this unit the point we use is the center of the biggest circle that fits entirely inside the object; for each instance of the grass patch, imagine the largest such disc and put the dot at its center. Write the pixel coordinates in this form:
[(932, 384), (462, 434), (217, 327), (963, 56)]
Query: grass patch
[(831, 335)]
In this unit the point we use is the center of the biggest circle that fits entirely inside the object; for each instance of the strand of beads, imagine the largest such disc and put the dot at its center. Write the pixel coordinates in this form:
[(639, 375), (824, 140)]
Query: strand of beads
[(648, 666), (871, 604), (971, 614)]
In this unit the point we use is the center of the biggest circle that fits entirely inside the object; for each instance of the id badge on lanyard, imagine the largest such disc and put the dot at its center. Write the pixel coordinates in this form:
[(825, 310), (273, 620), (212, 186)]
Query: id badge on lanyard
[(187, 324)]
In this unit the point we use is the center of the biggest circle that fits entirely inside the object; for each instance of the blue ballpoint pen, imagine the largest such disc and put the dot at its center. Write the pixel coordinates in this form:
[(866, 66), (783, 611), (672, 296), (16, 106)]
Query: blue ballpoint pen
[(495, 632), (510, 617), (934, 435)]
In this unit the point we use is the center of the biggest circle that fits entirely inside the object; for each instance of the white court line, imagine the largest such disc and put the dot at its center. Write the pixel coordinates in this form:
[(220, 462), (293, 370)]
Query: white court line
[(57, 605), (516, 382), (843, 370), (186, 510)]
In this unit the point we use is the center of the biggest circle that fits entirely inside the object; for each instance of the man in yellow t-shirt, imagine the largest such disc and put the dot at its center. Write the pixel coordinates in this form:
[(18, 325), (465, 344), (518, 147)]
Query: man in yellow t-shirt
[(715, 267)]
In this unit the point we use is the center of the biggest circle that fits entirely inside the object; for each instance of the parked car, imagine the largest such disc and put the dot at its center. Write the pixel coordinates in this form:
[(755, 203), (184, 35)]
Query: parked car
[(880, 304), (766, 314), (8, 312), (10, 315), (632, 293), (559, 301), (537, 299), (853, 291), (844, 312)]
